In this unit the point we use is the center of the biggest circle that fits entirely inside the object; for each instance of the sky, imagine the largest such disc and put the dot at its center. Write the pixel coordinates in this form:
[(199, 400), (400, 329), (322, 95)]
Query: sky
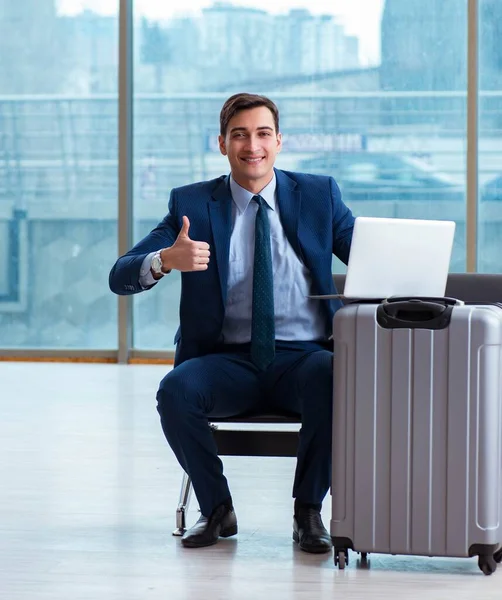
[(359, 17)]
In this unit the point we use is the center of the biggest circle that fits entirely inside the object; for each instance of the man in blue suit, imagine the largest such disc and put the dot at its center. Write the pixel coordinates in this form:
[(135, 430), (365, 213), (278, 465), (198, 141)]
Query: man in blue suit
[(251, 246)]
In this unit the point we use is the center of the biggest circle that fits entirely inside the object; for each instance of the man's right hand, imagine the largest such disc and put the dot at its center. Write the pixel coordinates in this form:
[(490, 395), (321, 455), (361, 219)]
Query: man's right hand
[(186, 254)]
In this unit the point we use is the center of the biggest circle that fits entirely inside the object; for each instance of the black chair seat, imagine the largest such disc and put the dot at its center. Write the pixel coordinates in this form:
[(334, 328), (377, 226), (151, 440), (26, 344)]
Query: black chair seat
[(256, 442), (257, 417)]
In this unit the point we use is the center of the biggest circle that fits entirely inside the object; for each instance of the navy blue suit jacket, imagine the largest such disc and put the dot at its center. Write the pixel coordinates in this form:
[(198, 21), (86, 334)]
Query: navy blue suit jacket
[(316, 222)]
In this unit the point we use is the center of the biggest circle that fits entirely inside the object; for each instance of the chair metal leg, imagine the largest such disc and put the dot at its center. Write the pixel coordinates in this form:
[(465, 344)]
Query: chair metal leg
[(186, 492)]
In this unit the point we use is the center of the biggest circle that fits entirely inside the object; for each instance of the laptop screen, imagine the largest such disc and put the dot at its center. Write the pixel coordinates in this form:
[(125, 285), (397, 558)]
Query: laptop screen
[(399, 257)]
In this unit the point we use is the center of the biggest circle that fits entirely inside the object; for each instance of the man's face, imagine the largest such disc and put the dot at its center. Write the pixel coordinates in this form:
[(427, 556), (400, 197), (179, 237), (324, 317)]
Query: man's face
[(251, 144)]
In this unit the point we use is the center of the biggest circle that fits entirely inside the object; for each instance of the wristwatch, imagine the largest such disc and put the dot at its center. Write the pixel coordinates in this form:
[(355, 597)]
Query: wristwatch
[(157, 264)]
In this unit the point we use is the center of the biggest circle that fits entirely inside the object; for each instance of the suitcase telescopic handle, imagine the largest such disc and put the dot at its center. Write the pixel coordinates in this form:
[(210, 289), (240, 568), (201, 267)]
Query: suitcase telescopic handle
[(415, 313)]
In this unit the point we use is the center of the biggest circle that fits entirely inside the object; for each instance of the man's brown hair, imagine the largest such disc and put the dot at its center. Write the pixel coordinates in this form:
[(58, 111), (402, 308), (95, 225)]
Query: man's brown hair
[(243, 101)]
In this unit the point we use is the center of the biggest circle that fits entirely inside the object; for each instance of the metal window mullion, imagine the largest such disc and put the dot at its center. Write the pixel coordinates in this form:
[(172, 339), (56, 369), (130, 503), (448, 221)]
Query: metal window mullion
[(472, 135), (125, 166)]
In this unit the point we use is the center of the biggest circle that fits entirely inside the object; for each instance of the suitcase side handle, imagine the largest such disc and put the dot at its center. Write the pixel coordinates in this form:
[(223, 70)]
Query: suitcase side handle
[(415, 313), (436, 299)]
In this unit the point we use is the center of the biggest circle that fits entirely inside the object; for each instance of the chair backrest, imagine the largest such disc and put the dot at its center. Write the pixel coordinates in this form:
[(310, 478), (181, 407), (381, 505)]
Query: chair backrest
[(469, 287), (475, 287)]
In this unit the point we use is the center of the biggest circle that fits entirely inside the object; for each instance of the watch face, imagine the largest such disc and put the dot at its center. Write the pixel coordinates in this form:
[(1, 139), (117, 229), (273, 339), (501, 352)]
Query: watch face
[(157, 264)]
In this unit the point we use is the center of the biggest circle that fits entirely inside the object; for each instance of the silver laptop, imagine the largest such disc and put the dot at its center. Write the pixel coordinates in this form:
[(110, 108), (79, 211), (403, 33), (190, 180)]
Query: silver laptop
[(398, 257)]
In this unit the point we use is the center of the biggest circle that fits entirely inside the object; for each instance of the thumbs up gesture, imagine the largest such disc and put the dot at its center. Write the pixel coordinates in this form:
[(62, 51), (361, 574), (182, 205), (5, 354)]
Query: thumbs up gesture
[(186, 254)]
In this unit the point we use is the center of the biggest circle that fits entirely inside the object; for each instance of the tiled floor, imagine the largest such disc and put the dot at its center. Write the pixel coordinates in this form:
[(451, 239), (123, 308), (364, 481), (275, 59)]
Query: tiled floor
[(89, 489)]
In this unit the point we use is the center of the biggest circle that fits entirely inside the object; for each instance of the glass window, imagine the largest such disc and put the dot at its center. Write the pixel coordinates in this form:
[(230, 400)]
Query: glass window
[(378, 103), (361, 171), (58, 184), (490, 138), (416, 128)]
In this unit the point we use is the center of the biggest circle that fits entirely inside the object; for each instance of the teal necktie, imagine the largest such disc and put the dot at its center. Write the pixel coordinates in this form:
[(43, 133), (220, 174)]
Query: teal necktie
[(262, 324)]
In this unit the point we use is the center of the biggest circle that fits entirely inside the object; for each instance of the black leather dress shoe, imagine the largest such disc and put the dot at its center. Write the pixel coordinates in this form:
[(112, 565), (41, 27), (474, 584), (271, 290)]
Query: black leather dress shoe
[(207, 530), (309, 531)]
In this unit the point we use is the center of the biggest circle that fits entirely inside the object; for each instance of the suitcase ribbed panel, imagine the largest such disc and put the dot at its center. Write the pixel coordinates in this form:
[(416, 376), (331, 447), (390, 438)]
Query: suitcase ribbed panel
[(428, 440), (417, 433), (400, 443)]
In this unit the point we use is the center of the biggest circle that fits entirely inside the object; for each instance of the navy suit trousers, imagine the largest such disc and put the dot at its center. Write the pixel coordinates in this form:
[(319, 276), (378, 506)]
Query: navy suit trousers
[(226, 383)]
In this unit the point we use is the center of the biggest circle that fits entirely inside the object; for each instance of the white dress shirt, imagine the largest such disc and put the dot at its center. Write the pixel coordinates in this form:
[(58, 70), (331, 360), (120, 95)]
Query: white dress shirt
[(296, 317)]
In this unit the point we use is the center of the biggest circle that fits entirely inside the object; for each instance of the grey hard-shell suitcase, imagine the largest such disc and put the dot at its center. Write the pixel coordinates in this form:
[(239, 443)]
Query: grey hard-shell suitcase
[(417, 430)]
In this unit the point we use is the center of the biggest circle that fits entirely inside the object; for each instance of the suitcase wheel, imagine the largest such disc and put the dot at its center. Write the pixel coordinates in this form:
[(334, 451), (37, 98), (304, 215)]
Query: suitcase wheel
[(341, 558), (487, 564), (498, 556)]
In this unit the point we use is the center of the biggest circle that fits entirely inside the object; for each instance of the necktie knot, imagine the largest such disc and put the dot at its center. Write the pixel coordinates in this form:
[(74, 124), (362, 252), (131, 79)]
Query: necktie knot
[(259, 200)]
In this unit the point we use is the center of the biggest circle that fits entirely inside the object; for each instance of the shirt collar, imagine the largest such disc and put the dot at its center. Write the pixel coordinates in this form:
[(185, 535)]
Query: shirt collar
[(242, 197)]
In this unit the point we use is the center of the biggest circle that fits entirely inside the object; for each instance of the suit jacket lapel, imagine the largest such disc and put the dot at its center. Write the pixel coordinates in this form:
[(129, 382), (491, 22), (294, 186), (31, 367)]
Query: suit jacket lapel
[(220, 215), (289, 200)]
